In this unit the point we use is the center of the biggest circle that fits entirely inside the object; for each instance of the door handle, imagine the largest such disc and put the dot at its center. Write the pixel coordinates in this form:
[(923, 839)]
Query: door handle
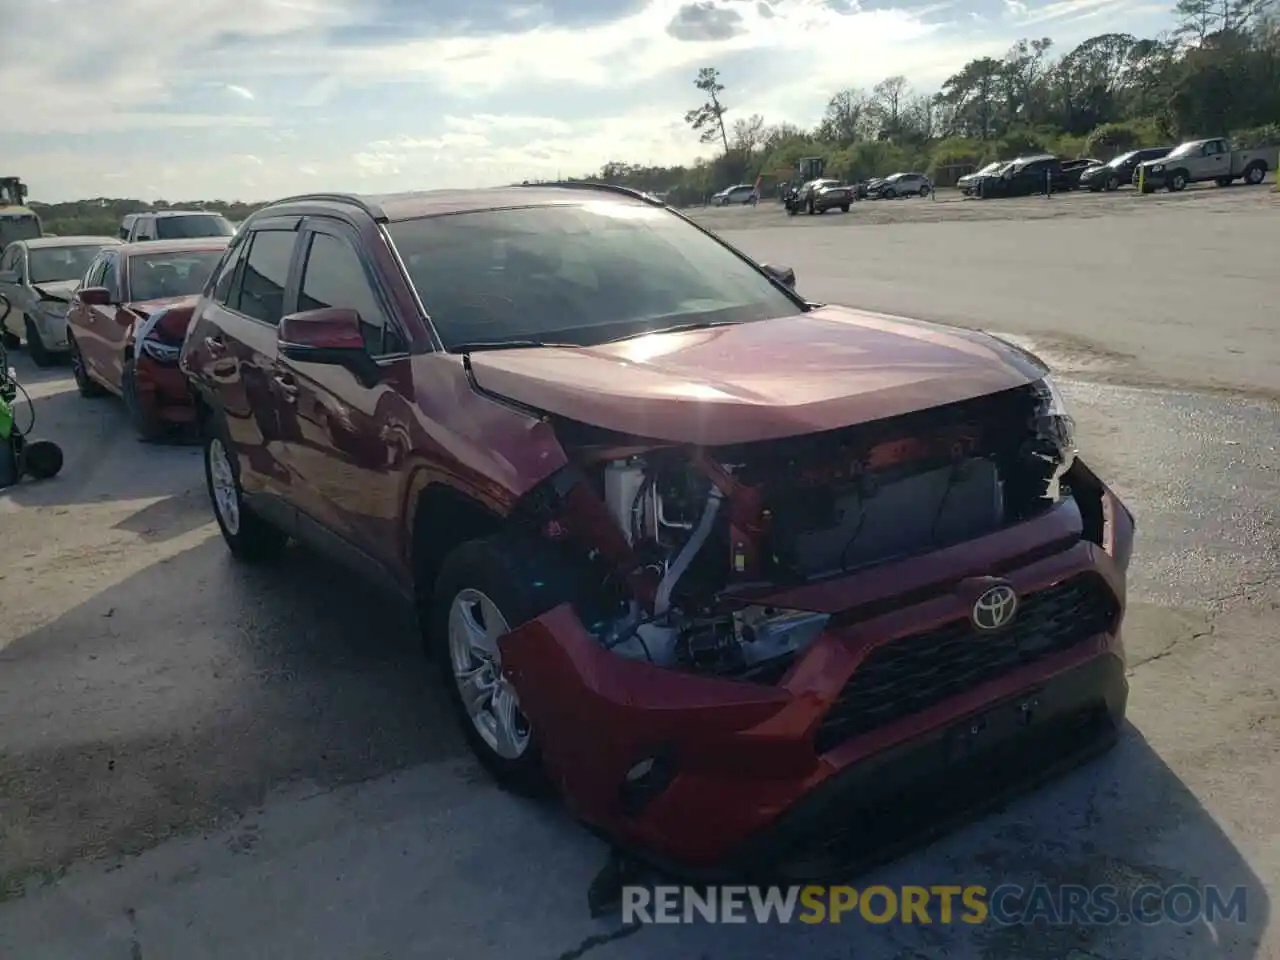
[(286, 385)]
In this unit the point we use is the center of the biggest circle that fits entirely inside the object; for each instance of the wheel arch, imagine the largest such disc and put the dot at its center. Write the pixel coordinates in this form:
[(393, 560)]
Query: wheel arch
[(441, 518)]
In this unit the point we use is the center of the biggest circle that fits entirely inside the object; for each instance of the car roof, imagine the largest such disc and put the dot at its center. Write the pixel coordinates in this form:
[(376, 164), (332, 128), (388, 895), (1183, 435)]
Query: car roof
[(391, 207), (180, 213), (39, 242), (174, 246)]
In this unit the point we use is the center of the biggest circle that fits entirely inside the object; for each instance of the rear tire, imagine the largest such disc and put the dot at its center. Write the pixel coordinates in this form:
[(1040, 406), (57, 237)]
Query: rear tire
[(249, 538), (484, 589), (1255, 174), (87, 386), (844, 208)]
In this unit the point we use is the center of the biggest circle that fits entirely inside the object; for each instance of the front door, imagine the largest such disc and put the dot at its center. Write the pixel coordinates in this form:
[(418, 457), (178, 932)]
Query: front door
[(235, 351), (344, 460), (96, 338)]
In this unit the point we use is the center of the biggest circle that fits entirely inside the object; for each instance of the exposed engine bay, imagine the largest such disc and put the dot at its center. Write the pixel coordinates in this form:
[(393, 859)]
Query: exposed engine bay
[(681, 537)]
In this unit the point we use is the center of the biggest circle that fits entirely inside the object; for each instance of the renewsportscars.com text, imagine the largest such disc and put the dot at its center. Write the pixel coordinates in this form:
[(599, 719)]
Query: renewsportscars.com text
[(1007, 905)]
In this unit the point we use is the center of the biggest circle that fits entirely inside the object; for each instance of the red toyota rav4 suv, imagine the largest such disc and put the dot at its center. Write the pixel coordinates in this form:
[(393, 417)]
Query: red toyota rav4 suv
[(752, 582)]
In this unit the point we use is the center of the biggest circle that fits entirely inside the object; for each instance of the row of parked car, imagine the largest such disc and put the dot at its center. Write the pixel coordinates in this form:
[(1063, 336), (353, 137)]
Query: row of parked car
[(118, 306), (819, 196), (536, 413), (1170, 168)]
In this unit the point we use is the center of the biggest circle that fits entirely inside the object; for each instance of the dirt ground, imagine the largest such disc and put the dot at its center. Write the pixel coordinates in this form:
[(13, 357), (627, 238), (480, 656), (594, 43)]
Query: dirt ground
[(202, 761)]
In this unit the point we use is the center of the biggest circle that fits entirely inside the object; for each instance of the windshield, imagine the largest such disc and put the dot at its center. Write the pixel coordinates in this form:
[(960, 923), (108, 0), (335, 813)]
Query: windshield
[(583, 274), (195, 225), (992, 167), (52, 264), (26, 227), (1184, 151), (155, 276)]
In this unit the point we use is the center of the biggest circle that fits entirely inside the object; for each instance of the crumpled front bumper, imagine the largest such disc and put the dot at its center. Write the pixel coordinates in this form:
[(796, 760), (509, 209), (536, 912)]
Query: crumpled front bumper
[(728, 769), (163, 391)]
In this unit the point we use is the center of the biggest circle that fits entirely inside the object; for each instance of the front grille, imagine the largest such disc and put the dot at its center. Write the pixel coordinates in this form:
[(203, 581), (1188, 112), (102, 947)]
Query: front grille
[(914, 673)]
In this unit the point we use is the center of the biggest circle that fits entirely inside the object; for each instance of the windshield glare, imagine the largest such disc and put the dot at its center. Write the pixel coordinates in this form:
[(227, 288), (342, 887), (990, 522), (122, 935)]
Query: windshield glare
[(582, 274), (195, 225), (1185, 150), (52, 264), (161, 275)]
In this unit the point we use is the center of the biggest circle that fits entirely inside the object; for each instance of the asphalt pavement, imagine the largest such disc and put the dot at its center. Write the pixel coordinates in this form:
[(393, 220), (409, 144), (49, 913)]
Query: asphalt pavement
[(198, 760)]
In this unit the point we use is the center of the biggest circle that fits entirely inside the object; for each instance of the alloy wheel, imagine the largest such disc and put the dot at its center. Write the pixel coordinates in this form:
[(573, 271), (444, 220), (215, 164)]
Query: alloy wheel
[(226, 498), (475, 624)]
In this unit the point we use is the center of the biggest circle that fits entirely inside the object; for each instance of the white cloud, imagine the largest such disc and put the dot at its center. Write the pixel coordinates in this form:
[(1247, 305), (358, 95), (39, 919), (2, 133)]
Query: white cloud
[(170, 76)]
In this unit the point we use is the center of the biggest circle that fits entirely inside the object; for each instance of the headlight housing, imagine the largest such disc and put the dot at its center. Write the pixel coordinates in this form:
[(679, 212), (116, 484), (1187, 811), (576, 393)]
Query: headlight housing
[(1054, 434)]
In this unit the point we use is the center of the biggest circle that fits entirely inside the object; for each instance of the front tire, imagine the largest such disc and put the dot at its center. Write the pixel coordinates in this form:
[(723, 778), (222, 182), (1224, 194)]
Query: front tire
[(87, 386), (249, 538), (1178, 182), (484, 589), (40, 355)]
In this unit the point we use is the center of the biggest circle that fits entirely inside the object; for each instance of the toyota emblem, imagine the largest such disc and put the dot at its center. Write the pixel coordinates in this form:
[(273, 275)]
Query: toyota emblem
[(994, 609)]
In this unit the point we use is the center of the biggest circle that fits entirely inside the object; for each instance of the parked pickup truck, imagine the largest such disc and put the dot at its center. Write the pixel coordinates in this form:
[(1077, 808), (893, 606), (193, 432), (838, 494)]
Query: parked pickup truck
[(1200, 160)]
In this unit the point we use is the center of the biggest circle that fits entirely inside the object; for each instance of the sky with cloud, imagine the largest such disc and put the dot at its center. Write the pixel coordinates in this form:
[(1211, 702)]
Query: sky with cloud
[(253, 99)]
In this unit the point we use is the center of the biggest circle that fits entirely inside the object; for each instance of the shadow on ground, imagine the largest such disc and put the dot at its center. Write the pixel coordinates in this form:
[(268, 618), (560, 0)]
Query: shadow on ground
[(187, 692)]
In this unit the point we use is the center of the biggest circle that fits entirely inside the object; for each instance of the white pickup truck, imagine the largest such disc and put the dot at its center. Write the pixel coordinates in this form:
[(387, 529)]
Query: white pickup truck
[(1200, 160)]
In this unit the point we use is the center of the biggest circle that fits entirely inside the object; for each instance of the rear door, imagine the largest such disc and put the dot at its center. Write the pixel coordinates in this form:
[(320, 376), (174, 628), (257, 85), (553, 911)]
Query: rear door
[(345, 465), (235, 352), (10, 288)]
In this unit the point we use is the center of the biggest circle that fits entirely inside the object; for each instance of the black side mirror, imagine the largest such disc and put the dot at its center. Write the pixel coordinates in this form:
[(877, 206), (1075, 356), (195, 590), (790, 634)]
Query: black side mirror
[(780, 273)]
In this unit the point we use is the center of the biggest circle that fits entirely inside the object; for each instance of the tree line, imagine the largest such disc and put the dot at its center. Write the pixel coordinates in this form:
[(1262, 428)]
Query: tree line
[(1217, 73), (101, 216)]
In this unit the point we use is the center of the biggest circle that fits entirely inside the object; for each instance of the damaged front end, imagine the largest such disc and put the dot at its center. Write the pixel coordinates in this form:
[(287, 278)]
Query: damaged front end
[(727, 595), (693, 546)]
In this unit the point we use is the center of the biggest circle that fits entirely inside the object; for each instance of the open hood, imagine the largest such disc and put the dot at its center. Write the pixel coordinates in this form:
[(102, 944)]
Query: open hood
[(816, 371)]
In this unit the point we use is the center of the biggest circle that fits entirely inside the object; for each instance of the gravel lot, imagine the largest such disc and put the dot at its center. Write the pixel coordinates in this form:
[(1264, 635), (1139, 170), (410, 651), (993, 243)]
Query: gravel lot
[(201, 761)]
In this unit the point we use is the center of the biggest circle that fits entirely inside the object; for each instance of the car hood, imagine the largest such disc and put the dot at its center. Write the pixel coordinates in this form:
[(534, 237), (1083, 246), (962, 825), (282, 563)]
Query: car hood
[(59, 289), (827, 368)]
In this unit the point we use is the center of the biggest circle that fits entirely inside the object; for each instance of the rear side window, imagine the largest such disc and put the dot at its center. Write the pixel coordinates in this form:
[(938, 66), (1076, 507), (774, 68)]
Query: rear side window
[(335, 277), (227, 274), (266, 271)]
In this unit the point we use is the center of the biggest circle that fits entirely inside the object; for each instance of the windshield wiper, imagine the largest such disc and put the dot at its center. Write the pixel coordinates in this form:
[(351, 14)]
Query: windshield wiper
[(479, 346)]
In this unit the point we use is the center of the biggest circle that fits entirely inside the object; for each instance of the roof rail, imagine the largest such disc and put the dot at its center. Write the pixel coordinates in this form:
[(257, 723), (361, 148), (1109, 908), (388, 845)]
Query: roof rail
[(355, 200), (593, 185)]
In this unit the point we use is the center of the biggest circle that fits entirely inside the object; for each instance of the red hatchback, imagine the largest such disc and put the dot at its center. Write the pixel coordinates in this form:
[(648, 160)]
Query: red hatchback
[(127, 321), (756, 584)]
